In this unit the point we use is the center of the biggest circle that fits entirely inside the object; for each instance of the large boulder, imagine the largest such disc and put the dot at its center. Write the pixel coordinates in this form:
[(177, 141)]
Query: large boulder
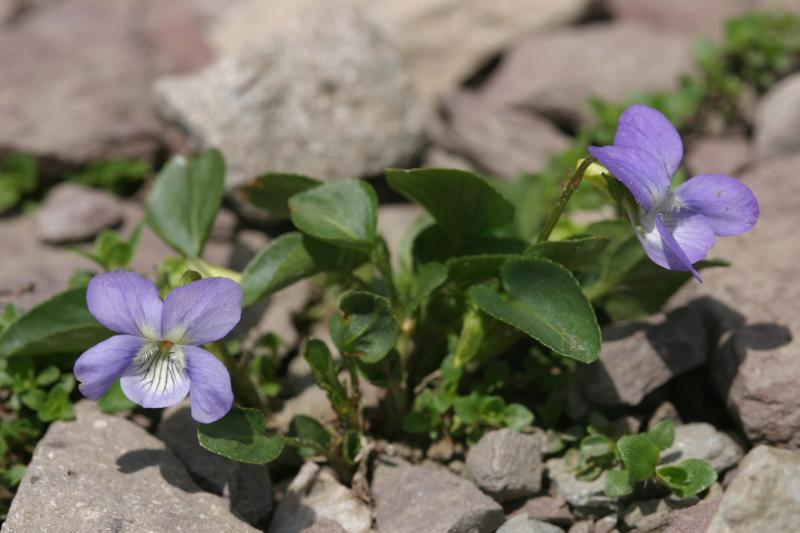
[(328, 97), (555, 73), (755, 364), (765, 496), (104, 473), (777, 120), (442, 41)]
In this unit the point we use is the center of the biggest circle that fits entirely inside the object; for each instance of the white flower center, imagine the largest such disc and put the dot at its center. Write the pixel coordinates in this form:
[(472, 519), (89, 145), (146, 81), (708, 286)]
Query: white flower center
[(160, 366)]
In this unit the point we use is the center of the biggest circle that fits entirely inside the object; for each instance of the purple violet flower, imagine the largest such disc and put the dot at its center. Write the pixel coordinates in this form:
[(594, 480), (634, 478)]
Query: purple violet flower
[(156, 353), (677, 227)]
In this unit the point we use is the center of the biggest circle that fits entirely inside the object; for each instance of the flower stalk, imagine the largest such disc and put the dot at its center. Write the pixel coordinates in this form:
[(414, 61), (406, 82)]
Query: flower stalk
[(570, 186)]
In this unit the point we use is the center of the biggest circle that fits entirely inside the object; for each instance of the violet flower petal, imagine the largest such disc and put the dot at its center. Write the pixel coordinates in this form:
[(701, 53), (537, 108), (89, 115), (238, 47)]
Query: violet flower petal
[(728, 204), (644, 127), (677, 241), (211, 394), (202, 311), (157, 376), (126, 303), (645, 177), (100, 366)]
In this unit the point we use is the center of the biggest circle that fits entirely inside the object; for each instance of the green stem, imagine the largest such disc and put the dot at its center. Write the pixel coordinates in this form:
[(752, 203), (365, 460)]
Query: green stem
[(381, 258), (570, 186), (355, 391)]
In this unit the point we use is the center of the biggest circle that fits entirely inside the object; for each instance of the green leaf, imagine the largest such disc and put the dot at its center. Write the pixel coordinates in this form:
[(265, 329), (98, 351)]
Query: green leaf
[(57, 406), (543, 300), (34, 399), (471, 269), (662, 435), (597, 446), (640, 456), (48, 376), (464, 205), (307, 428), (416, 422), (351, 447), (241, 435), (321, 362), (429, 277), (115, 401), (687, 478), (618, 483), (574, 253), (366, 329), (14, 475), (517, 417), (288, 259), (468, 409), (185, 199), (272, 191), (343, 212), (60, 325)]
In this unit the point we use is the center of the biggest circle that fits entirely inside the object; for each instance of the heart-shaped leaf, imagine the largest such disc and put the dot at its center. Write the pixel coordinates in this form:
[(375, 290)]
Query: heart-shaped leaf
[(465, 205), (272, 191), (687, 478), (618, 483), (640, 456), (574, 253), (366, 329), (185, 199), (663, 434), (241, 435), (342, 212), (60, 325), (545, 301)]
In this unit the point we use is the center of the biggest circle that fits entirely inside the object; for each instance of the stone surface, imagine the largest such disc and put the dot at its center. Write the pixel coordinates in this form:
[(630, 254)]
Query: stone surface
[(693, 519), (73, 213), (248, 487), (720, 155), (522, 524), (554, 73), (503, 141), (755, 364), (328, 97), (583, 495), (410, 499), (665, 411), (425, 30), (325, 526), (437, 157), (649, 515), (552, 509), (104, 473), (607, 524), (638, 357), (506, 464), (776, 130), (702, 441), (765, 496), (77, 87), (316, 494), (683, 15), (394, 221)]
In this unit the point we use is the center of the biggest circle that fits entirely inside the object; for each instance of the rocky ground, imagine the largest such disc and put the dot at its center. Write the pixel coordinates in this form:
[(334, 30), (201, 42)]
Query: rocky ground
[(347, 88)]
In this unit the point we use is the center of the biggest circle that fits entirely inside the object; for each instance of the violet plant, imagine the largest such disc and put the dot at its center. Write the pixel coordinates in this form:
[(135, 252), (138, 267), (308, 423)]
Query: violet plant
[(468, 325)]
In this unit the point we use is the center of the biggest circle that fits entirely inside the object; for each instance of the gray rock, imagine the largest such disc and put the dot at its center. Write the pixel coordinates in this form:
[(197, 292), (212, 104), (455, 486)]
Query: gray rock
[(503, 141), (702, 441), (693, 519), (584, 526), (553, 73), (721, 155), (248, 487), (325, 526), (327, 97), (437, 157), (73, 213), (315, 494), (649, 515), (665, 411), (638, 357), (765, 496), (410, 498), (104, 473), (755, 364), (776, 129), (506, 464), (522, 524), (425, 30), (607, 524), (585, 496), (548, 509)]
